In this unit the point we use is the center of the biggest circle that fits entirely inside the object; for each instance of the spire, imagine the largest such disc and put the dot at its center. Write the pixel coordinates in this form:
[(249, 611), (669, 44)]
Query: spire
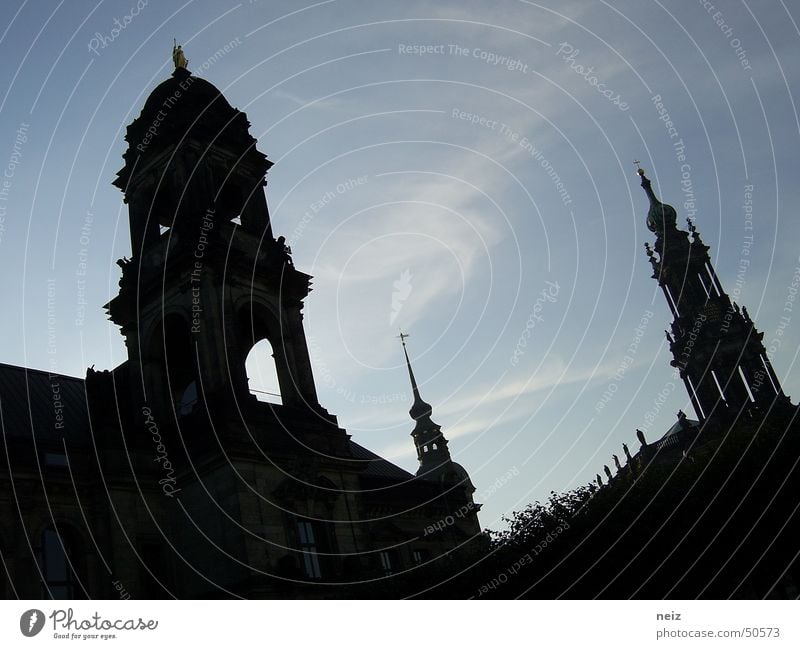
[(714, 344), (660, 214), (419, 409), (432, 452)]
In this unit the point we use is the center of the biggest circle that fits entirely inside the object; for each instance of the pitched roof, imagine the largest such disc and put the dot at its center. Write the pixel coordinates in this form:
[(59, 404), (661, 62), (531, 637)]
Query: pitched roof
[(377, 466), (50, 405)]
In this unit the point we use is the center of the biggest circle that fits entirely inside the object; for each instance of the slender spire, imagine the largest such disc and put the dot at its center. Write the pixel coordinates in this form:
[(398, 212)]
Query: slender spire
[(419, 409), (431, 445)]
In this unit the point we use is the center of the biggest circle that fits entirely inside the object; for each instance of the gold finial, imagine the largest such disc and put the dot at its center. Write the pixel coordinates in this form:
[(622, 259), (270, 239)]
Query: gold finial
[(639, 169), (178, 57)]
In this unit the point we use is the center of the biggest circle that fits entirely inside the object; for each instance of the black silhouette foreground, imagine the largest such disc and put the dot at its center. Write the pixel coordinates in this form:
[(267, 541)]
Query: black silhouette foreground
[(166, 477)]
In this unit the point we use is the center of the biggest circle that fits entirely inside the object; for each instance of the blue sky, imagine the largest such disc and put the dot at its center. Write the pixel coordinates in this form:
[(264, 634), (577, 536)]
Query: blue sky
[(438, 166)]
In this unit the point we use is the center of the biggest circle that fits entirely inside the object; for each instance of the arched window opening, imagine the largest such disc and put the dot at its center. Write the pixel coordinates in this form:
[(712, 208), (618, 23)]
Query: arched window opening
[(59, 565), (262, 375)]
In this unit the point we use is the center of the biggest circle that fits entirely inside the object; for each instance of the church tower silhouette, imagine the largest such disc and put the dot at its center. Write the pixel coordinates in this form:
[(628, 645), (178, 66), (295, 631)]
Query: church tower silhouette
[(206, 272), (433, 454), (714, 343), (245, 498)]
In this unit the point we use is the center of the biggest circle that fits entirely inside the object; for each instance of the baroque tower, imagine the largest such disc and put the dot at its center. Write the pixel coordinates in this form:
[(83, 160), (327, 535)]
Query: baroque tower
[(435, 463), (437, 467), (206, 273), (714, 344), (214, 492)]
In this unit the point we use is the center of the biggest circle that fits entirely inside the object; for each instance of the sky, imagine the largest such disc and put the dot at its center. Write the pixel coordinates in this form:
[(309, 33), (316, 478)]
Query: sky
[(462, 171)]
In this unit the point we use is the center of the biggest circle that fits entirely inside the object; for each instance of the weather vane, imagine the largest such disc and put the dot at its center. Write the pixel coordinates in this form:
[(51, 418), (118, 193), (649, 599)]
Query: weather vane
[(403, 337), (639, 169)]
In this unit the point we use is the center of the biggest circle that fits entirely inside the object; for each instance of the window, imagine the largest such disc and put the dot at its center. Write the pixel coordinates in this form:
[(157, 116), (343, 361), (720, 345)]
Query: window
[(386, 562), (307, 543), (58, 566), (419, 556), (262, 375)]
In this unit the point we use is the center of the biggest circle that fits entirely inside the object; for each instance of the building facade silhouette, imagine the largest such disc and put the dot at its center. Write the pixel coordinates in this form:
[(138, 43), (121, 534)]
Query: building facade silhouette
[(166, 476)]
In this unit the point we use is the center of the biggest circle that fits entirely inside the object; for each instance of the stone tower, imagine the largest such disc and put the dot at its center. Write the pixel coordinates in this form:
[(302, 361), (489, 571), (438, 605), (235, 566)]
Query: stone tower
[(271, 489), (715, 345), (207, 280), (211, 491)]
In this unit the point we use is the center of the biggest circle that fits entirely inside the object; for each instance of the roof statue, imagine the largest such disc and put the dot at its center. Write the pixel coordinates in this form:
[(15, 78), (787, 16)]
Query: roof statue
[(178, 57)]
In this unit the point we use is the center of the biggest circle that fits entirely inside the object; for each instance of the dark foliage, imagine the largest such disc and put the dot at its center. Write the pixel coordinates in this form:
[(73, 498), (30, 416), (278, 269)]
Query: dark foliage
[(721, 521)]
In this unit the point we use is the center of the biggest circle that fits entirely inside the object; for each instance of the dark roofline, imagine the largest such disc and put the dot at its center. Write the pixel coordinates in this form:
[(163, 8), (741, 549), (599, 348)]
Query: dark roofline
[(33, 370)]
